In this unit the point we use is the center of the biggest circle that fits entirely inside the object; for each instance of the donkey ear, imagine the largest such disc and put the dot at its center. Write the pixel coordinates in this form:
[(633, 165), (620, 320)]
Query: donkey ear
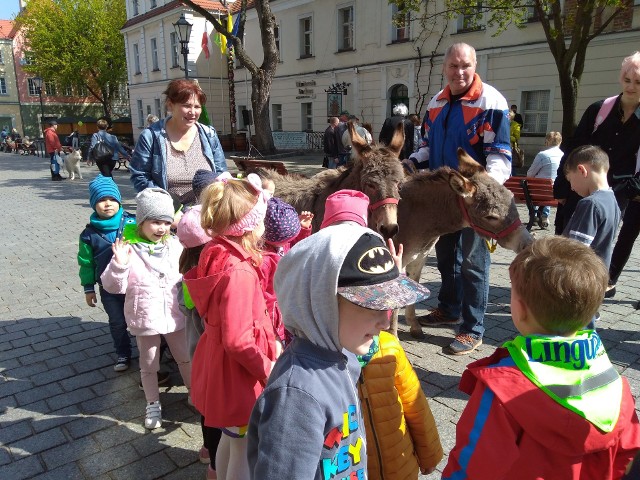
[(359, 144), (467, 166), (397, 141), (460, 185)]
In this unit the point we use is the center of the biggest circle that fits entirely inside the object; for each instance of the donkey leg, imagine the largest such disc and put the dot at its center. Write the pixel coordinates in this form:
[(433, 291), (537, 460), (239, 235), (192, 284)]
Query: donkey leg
[(393, 327), (413, 269)]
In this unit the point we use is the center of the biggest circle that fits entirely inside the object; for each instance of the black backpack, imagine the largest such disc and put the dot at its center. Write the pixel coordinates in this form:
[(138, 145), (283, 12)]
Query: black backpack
[(101, 152)]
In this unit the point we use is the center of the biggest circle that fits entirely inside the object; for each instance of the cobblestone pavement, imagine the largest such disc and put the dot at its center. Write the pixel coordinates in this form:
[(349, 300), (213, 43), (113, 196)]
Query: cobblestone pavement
[(64, 412)]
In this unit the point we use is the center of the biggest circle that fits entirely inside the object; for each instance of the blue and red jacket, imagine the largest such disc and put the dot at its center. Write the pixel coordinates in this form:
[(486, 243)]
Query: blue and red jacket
[(510, 429), (477, 122)]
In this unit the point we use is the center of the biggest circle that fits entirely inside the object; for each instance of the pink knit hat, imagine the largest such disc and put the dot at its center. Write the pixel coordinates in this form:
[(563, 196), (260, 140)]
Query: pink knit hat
[(346, 205), (256, 215), (190, 232)]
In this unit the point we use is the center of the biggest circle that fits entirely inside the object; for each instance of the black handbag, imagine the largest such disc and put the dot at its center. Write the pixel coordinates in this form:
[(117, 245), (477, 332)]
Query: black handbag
[(101, 152), (627, 185)]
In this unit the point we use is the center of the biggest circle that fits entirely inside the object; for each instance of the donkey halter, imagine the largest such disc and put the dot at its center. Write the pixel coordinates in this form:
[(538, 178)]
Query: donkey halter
[(486, 233), (384, 201)]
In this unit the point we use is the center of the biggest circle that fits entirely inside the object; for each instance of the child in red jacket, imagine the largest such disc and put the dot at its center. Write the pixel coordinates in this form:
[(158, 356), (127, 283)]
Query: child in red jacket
[(237, 350), (549, 404)]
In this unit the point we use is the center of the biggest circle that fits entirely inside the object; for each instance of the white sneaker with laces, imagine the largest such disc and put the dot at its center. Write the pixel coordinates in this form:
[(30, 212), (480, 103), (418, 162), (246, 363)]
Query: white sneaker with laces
[(154, 415)]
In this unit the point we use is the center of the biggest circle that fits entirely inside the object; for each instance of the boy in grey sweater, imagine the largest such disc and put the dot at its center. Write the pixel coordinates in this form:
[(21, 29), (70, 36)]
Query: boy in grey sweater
[(334, 290)]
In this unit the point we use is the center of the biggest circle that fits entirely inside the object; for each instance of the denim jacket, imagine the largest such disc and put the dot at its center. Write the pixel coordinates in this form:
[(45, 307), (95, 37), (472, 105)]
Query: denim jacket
[(148, 164)]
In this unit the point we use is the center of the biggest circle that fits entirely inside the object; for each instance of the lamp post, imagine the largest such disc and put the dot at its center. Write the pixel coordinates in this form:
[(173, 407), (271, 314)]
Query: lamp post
[(183, 30), (37, 83)]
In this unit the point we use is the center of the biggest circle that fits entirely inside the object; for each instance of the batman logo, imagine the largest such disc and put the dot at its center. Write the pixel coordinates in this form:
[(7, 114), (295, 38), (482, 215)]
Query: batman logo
[(376, 261)]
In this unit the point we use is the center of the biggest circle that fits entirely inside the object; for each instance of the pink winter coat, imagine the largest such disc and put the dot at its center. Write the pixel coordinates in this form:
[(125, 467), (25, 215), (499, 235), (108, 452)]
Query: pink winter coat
[(151, 301)]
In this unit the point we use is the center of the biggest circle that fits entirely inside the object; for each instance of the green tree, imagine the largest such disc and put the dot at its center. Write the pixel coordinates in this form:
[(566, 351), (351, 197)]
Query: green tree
[(77, 42), (569, 27), (261, 75)]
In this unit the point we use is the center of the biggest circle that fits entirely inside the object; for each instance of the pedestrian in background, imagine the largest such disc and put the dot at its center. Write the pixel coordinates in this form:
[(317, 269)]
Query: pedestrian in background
[(53, 147), (329, 144), (106, 163), (545, 165)]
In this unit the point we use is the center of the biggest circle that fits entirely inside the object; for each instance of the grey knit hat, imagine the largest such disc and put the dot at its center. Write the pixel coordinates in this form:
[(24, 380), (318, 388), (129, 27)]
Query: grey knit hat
[(154, 203)]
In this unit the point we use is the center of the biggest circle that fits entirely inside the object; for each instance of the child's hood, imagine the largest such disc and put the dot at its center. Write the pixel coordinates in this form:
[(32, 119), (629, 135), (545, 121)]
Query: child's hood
[(306, 283)]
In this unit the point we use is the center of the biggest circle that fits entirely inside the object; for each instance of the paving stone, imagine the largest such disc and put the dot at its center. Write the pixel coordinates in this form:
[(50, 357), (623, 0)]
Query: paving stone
[(70, 398), (27, 397), (66, 472), (22, 469), (16, 431), (108, 460), (69, 453), (82, 380), (42, 422), (154, 466), (37, 443)]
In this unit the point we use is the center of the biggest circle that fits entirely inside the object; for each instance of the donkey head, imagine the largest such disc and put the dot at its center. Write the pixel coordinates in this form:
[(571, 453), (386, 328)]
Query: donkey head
[(379, 174), (487, 206)]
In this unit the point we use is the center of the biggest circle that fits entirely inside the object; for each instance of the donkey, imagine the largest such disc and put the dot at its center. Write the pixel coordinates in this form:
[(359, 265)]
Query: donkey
[(444, 201), (374, 170)]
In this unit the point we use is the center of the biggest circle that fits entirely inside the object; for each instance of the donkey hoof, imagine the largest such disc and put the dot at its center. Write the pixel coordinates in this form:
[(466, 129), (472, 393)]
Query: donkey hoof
[(417, 333)]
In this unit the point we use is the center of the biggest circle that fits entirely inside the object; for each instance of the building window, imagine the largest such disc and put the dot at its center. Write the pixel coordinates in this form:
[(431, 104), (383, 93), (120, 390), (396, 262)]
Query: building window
[(306, 114), (31, 86), (400, 26), (136, 58), (154, 3), (158, 108), (345, 29), (81, 88), (240, 117), (3, 86), (469, 19), (1, 58), (27, 59), (154, 55), (173, 40), (276, 117), (276, 34), (50, 89), (67, 90), (306, 34), (532, 13), (136, 8), (535, 111), (140, 113)]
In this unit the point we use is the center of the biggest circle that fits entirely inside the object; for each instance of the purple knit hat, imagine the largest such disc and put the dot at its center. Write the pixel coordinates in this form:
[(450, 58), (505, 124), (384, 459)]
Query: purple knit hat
[(281, 223)]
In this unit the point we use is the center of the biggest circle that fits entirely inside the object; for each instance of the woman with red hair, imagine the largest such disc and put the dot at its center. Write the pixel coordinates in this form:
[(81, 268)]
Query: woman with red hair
[(170, 151)]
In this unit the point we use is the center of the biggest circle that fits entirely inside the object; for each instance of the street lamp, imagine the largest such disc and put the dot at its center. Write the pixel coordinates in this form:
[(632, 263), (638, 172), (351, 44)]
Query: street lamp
[(37, 83), (183, 29)]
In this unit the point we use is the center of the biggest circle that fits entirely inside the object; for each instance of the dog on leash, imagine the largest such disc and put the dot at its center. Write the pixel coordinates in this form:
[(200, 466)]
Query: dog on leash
[(71, 163)]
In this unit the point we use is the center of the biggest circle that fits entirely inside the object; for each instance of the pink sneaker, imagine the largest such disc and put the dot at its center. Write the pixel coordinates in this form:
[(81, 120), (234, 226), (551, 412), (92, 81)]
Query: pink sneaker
[(203, 455), (211, 473)]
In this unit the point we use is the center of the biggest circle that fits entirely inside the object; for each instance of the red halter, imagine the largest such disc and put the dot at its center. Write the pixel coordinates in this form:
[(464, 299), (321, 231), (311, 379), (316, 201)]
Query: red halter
[(482, 231), (382, 202)]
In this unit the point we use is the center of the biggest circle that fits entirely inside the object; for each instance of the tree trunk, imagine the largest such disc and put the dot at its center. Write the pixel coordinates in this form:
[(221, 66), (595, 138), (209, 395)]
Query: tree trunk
[(260, 88), (569, 91)]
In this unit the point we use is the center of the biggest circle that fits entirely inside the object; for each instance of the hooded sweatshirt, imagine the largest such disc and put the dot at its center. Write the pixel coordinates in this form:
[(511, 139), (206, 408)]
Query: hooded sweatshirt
[(537, 412), (307, 424)]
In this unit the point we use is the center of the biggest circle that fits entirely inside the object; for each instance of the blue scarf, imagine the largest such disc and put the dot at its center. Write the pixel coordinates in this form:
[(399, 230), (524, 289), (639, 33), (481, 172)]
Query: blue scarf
[(107, 226), (373, 349)]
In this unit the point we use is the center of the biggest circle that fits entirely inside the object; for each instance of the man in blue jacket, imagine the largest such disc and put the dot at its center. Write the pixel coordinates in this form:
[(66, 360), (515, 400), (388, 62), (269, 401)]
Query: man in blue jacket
[(470, 114)]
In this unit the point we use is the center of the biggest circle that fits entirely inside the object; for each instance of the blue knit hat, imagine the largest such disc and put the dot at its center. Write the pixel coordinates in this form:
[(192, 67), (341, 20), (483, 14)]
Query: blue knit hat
[(201, 180), (101, 187)]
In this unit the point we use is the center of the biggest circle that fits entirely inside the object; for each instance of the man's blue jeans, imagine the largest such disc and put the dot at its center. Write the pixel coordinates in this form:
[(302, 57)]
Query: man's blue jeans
[(114, 306), (464, 263)]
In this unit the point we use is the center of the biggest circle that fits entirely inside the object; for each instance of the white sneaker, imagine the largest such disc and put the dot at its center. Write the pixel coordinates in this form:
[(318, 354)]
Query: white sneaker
[(154, 415)]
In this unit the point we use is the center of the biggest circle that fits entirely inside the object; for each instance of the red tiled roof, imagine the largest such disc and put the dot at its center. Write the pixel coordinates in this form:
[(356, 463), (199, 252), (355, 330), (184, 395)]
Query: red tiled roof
[(237, 5), (6, 29), (209, 5)]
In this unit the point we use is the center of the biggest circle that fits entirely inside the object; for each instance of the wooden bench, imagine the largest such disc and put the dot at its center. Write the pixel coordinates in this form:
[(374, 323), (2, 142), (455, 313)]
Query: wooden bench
[(250, 164), (533, 192)]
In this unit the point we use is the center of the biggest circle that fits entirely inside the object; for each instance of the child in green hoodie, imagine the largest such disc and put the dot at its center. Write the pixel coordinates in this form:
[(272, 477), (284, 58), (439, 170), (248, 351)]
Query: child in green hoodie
[(106, 224)]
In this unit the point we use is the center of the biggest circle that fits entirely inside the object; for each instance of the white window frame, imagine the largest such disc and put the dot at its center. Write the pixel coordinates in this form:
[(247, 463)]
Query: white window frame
[(3, 86), (306, 116), (400, 34), (50, 88), (158, 106), (463, 19), (153, 3), (304, 35), (175, 52), (140, 109), (31, 88), (1, 58), (155, 65), (533, 124), (67, 90), (346, 28), (276, 117), (136, 59), (276, 34), (135, 7)]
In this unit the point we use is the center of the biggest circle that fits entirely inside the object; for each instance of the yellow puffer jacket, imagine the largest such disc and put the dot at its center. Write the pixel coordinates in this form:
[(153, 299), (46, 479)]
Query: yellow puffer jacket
[(401, 433)]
